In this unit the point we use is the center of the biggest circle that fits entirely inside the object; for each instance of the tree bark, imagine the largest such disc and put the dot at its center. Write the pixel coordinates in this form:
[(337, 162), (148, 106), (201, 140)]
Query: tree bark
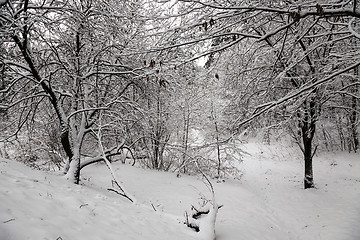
[(73, 174), (213, 116), (353, 114), (353, 123), (308, 131), (308, 155), (185, 136)]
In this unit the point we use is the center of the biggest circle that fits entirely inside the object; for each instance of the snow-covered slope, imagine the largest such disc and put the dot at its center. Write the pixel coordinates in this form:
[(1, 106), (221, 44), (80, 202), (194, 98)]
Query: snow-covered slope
[(38, 205), (268, 203)]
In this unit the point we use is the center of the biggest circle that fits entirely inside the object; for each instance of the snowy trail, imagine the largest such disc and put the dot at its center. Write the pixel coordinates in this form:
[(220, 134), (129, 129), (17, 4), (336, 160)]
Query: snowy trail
[(243, 213), (246, 215)]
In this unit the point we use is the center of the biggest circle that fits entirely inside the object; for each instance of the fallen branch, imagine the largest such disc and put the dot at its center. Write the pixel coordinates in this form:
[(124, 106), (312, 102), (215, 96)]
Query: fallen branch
[(83, 205), (203, 219), (198, 213), (123, 191)]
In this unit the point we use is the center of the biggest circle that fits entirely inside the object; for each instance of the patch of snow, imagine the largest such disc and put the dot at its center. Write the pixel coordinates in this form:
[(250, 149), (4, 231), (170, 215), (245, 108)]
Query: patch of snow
[(268, 203)]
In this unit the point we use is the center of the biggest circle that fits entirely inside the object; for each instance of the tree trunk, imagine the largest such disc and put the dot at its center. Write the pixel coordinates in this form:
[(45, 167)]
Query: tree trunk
[(185, 137), (308, 155), (213, 116), (353, 125), (55, 102), (73, 174), (353, 114), (155, 160), (308, 131), (67, 147)]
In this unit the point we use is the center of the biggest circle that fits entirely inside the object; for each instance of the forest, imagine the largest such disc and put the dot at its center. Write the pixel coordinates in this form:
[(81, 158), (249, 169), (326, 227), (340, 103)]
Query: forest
[(177, 86)]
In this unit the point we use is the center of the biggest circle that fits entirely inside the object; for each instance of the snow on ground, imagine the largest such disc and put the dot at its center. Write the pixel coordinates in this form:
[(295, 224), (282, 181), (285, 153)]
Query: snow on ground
[(268, 202), (331, 211)]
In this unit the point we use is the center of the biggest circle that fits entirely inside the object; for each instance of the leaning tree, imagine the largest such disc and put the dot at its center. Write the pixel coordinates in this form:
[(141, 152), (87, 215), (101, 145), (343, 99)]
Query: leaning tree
[(69, 57)]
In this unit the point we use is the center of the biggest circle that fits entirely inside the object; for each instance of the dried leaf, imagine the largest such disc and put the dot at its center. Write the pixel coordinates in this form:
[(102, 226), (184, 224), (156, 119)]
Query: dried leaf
[(205, 25), (152, 63), (162, 83), (295, 16), (319, 9)]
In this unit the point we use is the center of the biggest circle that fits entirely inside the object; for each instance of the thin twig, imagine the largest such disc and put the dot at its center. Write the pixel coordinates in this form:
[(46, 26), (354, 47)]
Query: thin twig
[(121, 194), (153, 207), (10, 220)]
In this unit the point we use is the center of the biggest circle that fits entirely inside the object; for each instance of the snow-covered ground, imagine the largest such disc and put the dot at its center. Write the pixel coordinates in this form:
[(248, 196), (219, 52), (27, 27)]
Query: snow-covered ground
[(267, 203)]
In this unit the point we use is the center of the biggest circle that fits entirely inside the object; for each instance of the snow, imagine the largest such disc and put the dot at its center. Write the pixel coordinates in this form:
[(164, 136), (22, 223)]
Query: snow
[(207, 223), (268, 203)]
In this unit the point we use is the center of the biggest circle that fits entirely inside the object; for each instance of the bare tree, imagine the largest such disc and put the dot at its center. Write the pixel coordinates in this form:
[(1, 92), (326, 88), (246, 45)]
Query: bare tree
[(310, 46), (67, 56)]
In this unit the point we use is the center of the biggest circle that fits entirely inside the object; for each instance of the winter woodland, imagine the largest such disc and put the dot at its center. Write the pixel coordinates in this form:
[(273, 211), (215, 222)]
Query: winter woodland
[(248, 102)]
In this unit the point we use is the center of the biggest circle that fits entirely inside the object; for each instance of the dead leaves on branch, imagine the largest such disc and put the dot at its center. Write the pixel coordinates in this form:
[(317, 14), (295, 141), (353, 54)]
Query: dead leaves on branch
[(162, 82), (296, 15), (205, 25), (319, 9)]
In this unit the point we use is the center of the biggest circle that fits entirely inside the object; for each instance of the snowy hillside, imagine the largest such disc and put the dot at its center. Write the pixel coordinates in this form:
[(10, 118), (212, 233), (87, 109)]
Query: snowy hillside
[(268, 202)]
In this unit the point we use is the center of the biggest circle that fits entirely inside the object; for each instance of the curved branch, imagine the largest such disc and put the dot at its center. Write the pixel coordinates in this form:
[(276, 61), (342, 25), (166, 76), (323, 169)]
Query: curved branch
[(351, 29), (268, 106)]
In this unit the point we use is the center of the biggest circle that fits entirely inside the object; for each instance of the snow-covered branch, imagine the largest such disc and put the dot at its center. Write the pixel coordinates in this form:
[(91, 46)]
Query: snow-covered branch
[(261, 109)]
